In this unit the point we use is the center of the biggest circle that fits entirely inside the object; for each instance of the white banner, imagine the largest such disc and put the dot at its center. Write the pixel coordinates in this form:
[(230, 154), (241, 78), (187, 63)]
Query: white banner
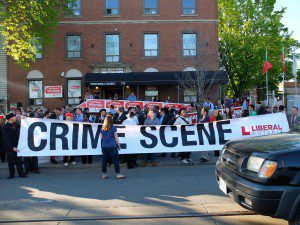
[(44, 137)]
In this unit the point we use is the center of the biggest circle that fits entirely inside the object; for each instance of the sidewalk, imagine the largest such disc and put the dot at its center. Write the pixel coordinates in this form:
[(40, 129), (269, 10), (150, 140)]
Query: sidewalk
[(161, 162)]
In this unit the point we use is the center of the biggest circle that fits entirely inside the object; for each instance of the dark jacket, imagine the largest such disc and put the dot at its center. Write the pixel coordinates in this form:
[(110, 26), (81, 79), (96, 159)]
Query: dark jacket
[(1, 139), (10, 133), (142, 117), (166, 119), (205, 120), (119, 119)]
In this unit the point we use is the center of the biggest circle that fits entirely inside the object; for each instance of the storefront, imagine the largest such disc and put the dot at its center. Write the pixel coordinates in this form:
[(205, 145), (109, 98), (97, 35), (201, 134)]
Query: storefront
[(145, 85)]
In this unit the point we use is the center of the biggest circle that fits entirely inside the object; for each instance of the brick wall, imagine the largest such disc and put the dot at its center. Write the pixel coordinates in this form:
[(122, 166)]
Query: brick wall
[(131, 24)]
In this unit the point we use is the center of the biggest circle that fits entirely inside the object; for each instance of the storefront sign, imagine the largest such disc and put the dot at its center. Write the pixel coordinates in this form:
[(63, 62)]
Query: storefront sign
[(151, 105), (173, 106), (95, 105), (115, 103), (53, 92), (103, 84), (133, 104)]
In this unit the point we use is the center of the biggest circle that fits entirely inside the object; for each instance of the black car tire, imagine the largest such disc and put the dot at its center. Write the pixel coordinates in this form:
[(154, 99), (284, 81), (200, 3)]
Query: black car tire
[(296, 220)]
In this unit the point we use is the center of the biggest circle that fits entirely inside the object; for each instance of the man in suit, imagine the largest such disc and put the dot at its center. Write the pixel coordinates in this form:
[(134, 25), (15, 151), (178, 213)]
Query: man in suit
[(164, 116), (101, 117), (11, 133), (293, 118), (120, 116)]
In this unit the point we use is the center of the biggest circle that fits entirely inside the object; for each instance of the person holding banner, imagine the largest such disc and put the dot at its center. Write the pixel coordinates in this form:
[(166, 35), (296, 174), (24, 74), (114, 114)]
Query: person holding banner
[(31, 163), (251, 110), (110, 145), (11, 133), (184, 119), (204, 156), (120, 116), (67, 160), (86, 158), (131, 158), (150, 120)]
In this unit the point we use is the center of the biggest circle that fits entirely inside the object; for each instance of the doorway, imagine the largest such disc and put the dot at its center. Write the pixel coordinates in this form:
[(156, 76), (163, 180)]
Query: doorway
[(109, 92)]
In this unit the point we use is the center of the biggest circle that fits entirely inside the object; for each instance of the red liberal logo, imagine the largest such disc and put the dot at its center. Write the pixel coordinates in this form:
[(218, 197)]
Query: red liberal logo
[(245, 132)]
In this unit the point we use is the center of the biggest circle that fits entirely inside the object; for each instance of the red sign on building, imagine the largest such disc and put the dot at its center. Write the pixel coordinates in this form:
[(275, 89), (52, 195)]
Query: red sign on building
[(53, 92), (115, 103), (133, 104)]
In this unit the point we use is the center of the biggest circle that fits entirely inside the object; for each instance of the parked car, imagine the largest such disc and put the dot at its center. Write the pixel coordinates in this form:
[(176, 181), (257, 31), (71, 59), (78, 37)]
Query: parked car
[(262, 174)]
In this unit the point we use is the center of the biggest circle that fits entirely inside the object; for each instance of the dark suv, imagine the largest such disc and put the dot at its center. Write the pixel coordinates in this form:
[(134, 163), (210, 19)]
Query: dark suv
[(262, 174)]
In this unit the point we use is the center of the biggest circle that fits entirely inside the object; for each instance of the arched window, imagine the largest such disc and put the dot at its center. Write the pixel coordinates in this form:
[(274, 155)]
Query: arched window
[(74, 86), (35, 87), (190, 69), (151, 69)]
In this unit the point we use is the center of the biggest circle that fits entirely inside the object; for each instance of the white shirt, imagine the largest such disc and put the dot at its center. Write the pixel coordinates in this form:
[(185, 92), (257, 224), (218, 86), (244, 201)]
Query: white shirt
[(135, 119), (180, 121), (130, 121)]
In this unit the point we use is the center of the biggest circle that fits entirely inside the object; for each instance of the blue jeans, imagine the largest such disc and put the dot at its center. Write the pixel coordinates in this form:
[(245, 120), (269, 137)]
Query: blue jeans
[(151, 157), (110, 152)]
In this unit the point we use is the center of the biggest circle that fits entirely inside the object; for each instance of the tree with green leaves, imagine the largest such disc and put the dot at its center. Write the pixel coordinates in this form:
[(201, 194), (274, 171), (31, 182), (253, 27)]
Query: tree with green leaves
[(246, 29), (26, 24)]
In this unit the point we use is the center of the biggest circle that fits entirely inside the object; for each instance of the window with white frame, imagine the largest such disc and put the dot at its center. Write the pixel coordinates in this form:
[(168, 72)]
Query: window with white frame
[(189, 44), (74, 92), (189, 96), (74, 8), (112, 7), (188, 7), (35, 91), (39, 51), (74, 46), (150, 7), (150, 45), (112, 48)]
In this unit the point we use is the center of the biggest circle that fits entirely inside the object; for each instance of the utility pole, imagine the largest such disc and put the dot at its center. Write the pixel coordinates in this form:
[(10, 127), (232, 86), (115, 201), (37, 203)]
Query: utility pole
[(267, 82)]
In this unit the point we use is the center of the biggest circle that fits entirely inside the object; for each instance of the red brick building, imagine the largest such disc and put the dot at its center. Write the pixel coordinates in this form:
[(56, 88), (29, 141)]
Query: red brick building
[(103, 39)]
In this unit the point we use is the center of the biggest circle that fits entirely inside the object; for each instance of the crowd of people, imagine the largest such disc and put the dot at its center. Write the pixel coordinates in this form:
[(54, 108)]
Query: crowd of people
[(206, 112)]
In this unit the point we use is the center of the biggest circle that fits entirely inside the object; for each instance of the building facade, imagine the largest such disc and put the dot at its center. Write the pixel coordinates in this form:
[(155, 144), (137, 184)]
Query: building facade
[(115, 47), (3, 78)]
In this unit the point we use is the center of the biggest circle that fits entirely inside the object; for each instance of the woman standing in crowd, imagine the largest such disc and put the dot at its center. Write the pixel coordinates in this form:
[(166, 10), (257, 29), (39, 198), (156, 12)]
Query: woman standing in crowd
[(227, 114), (110, 145)]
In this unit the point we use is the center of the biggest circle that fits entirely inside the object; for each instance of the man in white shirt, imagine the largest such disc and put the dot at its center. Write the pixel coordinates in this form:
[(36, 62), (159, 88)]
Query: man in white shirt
[(184, 119)]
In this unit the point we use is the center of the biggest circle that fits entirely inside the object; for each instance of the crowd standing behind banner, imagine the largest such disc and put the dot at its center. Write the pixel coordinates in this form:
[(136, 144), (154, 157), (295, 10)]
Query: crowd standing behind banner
[(207, 112)]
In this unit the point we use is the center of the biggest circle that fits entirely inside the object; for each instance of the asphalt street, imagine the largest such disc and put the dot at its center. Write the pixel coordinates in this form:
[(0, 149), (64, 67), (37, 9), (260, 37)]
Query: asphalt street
[(171, 193)]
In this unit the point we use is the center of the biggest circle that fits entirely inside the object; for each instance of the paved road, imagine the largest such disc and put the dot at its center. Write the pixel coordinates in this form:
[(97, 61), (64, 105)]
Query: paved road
[(60, 193)]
